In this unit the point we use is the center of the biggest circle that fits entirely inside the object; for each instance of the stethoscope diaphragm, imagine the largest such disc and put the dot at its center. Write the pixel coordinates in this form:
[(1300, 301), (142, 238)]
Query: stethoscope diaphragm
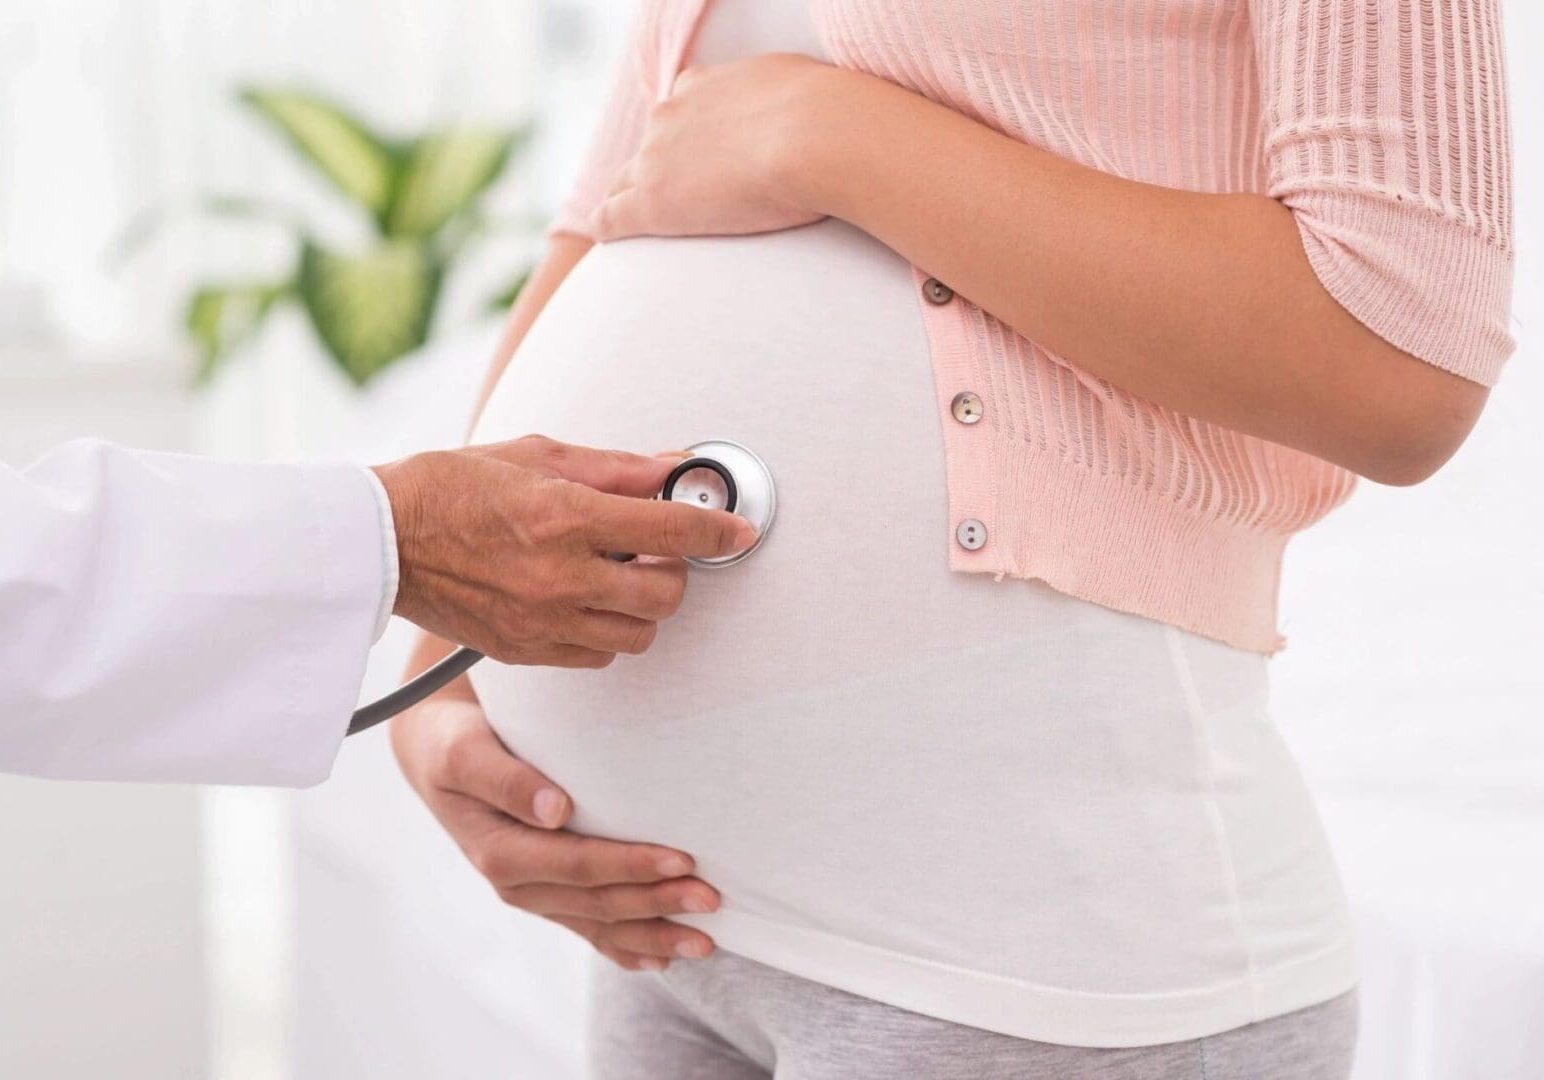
[(723, 475)]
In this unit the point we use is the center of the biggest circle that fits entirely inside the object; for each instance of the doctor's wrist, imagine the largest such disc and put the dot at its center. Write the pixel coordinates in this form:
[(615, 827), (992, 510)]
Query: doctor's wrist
[(403, 492)]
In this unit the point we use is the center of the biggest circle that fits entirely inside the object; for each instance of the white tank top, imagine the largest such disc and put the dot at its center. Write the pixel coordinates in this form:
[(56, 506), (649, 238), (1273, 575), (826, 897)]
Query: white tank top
[(985, 801)]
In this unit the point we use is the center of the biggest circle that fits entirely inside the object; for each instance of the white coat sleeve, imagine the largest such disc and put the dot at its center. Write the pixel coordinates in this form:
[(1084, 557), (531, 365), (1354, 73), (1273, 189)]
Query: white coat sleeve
[(173, 618)]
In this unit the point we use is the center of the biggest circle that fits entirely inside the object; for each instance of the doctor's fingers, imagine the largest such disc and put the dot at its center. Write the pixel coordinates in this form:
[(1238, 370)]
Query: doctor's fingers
[(609, 633), (650, 589), (642, 937), (656, 527), (615, 471)]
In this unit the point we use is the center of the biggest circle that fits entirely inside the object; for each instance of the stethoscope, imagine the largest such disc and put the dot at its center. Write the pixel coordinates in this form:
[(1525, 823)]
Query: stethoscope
[(718, 475)]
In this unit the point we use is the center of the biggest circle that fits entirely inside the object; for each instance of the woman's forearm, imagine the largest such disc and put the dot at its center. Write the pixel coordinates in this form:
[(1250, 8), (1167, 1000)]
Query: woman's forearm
[(1205, 304)]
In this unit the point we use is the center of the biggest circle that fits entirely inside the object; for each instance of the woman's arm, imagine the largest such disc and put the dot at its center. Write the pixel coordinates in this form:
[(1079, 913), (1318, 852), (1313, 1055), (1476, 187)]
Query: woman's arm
[(1205, 304), (506, 817)]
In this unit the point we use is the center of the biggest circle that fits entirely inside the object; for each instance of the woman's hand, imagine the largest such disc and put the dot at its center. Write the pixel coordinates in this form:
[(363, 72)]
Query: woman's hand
[(719, 156), (507, 819)]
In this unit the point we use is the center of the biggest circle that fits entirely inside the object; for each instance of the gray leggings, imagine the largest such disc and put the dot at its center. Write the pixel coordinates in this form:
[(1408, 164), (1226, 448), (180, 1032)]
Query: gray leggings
[(729, 1018)]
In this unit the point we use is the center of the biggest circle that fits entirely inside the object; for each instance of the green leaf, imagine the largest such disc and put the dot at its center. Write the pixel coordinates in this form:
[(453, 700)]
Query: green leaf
[(370, 309), (222, 318), (502, 301), (341, 147), (443, 175)]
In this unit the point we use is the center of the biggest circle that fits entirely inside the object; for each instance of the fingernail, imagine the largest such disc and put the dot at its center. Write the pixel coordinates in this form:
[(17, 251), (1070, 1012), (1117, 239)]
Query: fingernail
[(697, 902), (673, 455), (745, 537), (548, 805), (674, 865), (695, 948), (653, 963)]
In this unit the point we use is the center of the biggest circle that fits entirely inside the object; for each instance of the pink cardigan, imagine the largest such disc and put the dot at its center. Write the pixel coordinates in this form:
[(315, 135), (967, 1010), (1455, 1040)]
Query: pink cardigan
[(1382, 126)]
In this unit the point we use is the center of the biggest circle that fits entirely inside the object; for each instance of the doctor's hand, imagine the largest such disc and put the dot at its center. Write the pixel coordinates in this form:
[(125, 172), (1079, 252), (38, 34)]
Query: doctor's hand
[(504, 548), (507, 819)]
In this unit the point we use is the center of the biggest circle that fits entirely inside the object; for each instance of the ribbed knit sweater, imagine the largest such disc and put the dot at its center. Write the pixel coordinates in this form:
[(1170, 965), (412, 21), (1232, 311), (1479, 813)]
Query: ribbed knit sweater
[(1381, 125)]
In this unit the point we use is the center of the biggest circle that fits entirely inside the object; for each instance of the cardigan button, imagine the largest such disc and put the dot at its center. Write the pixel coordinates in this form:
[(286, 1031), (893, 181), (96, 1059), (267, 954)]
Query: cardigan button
[(971, 534), (966, 407), (936, 291)]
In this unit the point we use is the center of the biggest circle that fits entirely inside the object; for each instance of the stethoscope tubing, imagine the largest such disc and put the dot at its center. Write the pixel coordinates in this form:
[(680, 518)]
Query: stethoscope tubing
[(414, 690)]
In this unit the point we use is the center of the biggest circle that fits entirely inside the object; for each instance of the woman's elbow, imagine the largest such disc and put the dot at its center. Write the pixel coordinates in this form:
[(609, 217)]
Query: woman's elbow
[(1408, 436)]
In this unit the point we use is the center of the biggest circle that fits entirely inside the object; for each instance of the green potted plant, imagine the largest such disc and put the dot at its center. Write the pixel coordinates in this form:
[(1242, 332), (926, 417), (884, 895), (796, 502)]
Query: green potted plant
[(422, 197)]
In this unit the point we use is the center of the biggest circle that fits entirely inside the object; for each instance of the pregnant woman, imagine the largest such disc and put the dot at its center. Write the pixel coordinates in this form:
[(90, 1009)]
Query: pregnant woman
[(1054, 321)]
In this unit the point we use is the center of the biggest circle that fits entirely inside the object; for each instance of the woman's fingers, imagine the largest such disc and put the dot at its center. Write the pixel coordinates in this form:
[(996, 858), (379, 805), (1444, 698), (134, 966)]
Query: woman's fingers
[(643, 937), (476, 764), (511, 856), (627, 178), (620, 216), (685, 79), (615, 903), (613, 218)]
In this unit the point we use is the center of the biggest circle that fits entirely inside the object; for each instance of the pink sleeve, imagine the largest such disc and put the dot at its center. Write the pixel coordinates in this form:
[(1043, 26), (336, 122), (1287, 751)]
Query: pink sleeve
[(1386, 134), (620, 132)]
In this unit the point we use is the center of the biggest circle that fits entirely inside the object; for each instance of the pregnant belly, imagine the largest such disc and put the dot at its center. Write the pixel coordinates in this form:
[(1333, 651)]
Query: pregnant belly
[(807, 347), (840, 709)]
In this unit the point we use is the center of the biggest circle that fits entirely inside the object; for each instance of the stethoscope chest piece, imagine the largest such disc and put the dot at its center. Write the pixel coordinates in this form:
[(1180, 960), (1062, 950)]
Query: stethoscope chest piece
[(723, 475)]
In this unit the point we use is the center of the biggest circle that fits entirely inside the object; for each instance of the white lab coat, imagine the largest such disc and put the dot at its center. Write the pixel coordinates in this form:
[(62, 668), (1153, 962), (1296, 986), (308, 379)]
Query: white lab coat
[(172, 618)]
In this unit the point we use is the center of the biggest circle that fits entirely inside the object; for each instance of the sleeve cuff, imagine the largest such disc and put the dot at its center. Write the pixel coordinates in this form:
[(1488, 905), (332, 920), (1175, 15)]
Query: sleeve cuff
[(1425, 284), (345, 524), (391, 568)]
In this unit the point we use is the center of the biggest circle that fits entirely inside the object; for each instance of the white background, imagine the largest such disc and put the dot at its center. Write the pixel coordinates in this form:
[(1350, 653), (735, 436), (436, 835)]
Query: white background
[(337, 933)]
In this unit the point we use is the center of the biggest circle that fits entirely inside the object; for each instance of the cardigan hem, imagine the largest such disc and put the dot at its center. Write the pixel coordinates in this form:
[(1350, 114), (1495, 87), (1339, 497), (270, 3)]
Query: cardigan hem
[(1107, 540)]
